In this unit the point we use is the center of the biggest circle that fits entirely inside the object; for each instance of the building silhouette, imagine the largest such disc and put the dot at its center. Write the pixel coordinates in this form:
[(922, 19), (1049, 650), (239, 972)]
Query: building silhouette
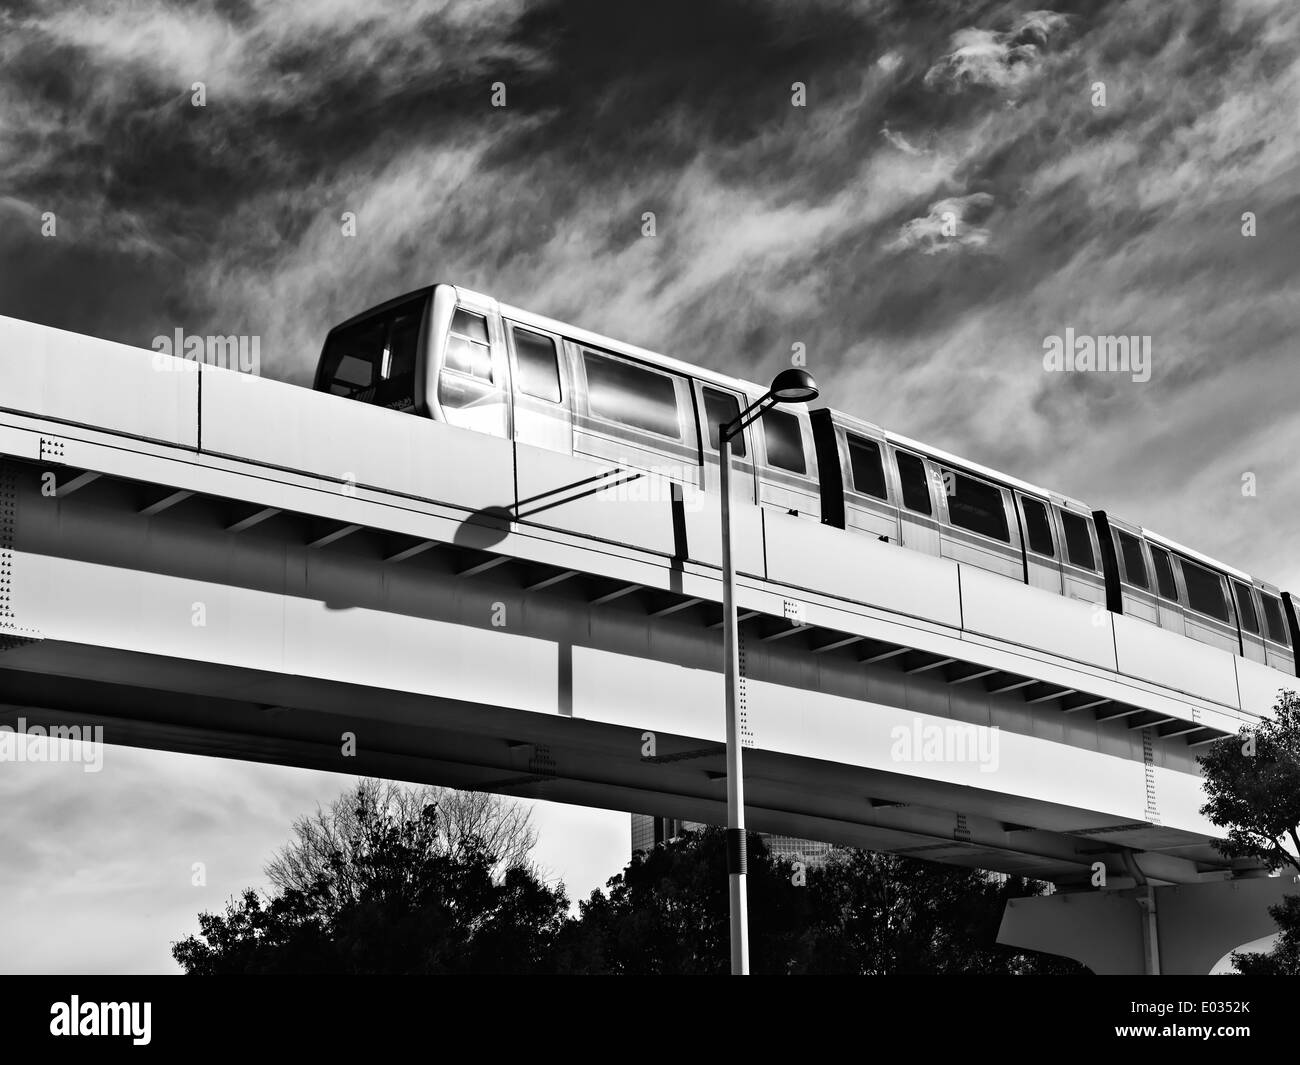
[(648, 830)]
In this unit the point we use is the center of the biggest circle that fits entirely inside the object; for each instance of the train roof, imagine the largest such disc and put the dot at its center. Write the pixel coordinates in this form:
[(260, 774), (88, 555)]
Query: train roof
[(985, 471), (599, 340), (1196, 556), (379, 308)]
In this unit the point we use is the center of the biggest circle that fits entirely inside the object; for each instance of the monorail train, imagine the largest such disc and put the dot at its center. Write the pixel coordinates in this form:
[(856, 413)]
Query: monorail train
[(463, 358)]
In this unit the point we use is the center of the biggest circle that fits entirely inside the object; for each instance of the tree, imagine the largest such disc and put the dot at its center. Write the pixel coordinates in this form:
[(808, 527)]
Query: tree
[(503, 827), (277, 935), (1284, 958), (1252, 785), (667, 913), (385, 887), (888, 914)]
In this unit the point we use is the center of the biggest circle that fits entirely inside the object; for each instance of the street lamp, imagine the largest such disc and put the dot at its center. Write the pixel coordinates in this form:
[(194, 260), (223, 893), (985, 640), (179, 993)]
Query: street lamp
[(789, 386)]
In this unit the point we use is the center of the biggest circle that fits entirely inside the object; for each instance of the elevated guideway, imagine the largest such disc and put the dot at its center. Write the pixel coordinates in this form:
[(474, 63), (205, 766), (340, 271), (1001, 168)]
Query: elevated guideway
[(208, 562)]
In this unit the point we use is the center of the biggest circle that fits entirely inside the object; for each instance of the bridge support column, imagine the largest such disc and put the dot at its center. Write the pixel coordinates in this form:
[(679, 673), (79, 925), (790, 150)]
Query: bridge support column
[(1181, 929), (1147, 903)]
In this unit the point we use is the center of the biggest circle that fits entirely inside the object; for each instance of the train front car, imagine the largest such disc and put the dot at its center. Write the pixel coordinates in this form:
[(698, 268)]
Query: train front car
[(377, 356)]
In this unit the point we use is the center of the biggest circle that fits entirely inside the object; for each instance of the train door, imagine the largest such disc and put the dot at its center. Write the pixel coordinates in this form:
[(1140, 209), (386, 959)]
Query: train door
[(867, 506), (1042, 544), (471, 364), (977, 525), (1278, 652), (716, 406), (540, 388), (1170, 596), (1137, 589), (635, 415), (917, 524), (787, 471), (1249, 620), (1208, 618), (1081, 575)]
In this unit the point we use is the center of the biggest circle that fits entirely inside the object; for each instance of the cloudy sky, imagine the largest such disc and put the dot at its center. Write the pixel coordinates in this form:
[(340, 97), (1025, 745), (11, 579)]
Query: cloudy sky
[(965, 180)]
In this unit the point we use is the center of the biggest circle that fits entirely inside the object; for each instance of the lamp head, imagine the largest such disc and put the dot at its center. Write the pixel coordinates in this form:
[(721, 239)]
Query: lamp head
[(793, 386)]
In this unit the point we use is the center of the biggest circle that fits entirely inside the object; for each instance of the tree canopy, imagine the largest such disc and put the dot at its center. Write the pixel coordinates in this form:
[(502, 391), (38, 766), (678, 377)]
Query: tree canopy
[(863, 913), (1252, 787), (380, 886)]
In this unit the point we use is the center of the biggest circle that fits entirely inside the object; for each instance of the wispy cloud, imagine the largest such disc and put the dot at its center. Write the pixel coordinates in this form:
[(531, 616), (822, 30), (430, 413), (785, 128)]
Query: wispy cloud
[(950, 224), (1006, 60)]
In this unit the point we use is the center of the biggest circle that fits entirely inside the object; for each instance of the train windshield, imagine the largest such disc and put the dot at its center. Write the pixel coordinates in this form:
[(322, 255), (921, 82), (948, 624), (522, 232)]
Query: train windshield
[(374, 360)]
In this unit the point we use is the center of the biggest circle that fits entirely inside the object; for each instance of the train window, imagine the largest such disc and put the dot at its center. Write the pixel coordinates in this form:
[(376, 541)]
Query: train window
[(916, 486), (467, 346), (1037, 526), (1204, 590), (538, 366), (1135, 566), (1164, 573), (354, 376), (633, 395), (374, 361), (1246, 608), (784, 441), (1273, 619), (396, 384), (721, 408), (1078, 544), (976, 505), (865, 465)]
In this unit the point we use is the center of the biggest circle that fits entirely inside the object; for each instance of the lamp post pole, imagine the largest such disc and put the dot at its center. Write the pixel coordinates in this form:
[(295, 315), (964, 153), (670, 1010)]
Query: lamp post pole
[(736, 858), (789, 386)]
